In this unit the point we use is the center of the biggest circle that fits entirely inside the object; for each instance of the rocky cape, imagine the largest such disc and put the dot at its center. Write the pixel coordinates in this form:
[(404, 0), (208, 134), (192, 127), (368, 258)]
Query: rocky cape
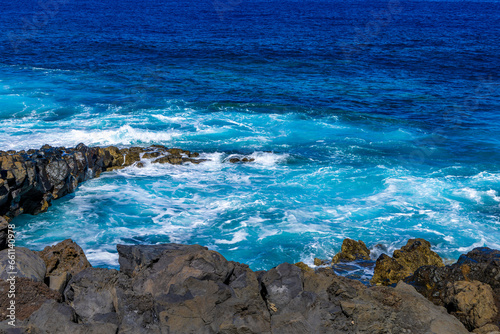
[(174, 288), (31, 180)]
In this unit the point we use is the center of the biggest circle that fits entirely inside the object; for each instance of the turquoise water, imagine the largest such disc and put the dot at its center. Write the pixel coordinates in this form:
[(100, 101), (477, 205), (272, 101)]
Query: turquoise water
[(398, 139)]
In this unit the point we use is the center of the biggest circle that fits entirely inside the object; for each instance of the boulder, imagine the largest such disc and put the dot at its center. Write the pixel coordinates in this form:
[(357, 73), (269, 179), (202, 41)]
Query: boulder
[(471, 302), (28, 264), (439, 284), (64, 257), (303, 266), (322, 302), (404, 261), (352, 250)]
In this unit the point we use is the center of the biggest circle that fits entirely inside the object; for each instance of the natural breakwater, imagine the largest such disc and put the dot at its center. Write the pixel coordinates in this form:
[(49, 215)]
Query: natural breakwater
[(399, 139)]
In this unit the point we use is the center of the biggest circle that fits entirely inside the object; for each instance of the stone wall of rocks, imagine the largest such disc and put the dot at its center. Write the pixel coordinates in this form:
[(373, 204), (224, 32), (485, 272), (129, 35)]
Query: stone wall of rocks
[(31, 180)]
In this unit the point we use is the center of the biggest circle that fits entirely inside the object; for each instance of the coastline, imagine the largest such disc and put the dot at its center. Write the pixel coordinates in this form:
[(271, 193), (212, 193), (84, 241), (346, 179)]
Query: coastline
[(160, 288), (174, 288)]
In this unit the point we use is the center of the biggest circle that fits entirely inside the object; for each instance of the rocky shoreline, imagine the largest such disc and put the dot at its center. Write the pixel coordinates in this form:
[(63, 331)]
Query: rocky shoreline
[(31, 180), (174, 288)]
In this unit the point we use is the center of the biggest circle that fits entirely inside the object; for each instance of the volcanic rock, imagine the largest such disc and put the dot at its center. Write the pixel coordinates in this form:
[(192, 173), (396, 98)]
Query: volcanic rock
[(404, 262), (352, 250)]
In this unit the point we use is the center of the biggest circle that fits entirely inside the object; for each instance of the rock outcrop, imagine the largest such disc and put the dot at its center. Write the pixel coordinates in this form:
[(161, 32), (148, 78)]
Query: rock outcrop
[(176, 288), (63, 261), (30, 180), (404, 262), (466, 288), (351, 251)]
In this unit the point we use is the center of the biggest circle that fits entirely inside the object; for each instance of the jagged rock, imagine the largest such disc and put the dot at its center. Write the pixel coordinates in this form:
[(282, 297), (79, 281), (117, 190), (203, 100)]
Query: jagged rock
[(4, 230), (131, 157), (303, 266), (149, 155), (488, 329), (30, 181), (27, 264), (65, 256), (319, 262), (481, 264), (352, 250), (471, 302), (404, 262), (175, 288), (321, 302), (29, 296)]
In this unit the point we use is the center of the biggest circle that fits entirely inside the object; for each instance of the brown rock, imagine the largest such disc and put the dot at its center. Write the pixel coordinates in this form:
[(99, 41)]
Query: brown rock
[(404, 262), (132, 157), (63, 257), (352, 250), (471, 302), (303, 266), (149, 155), (487, 329), (30, 296)]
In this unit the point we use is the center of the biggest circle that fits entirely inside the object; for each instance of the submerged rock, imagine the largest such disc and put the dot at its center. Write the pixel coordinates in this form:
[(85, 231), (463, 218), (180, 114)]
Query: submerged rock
[(404, 262)]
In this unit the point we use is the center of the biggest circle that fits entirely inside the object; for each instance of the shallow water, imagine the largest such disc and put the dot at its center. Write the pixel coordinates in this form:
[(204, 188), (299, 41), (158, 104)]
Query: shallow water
[(379, 130)]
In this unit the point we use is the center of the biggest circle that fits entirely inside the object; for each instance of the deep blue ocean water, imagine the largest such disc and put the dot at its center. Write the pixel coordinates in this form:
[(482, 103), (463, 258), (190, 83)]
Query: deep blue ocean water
[(373, 120)]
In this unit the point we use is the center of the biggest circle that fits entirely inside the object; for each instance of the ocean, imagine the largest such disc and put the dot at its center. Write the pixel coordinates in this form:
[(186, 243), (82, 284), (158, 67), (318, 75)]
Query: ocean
[(370, 120)]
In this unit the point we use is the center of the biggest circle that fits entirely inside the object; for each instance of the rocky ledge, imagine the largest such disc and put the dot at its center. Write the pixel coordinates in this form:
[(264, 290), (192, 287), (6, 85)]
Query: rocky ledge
[(30, 180), (175, 288)]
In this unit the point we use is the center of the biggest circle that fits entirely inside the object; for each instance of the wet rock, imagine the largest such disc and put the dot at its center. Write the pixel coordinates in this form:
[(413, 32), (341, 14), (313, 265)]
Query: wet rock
[(27, 264), (352, 250), (150, 155), (29, 297), (303, 266), (240, 159), (319, 262), (30, 181), (416, 253), (471, 302), (131, 157)]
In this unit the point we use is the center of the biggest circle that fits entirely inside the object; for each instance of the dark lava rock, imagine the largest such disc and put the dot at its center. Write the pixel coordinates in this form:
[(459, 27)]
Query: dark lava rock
[(176, 288), (404, 262), (30, 181)]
